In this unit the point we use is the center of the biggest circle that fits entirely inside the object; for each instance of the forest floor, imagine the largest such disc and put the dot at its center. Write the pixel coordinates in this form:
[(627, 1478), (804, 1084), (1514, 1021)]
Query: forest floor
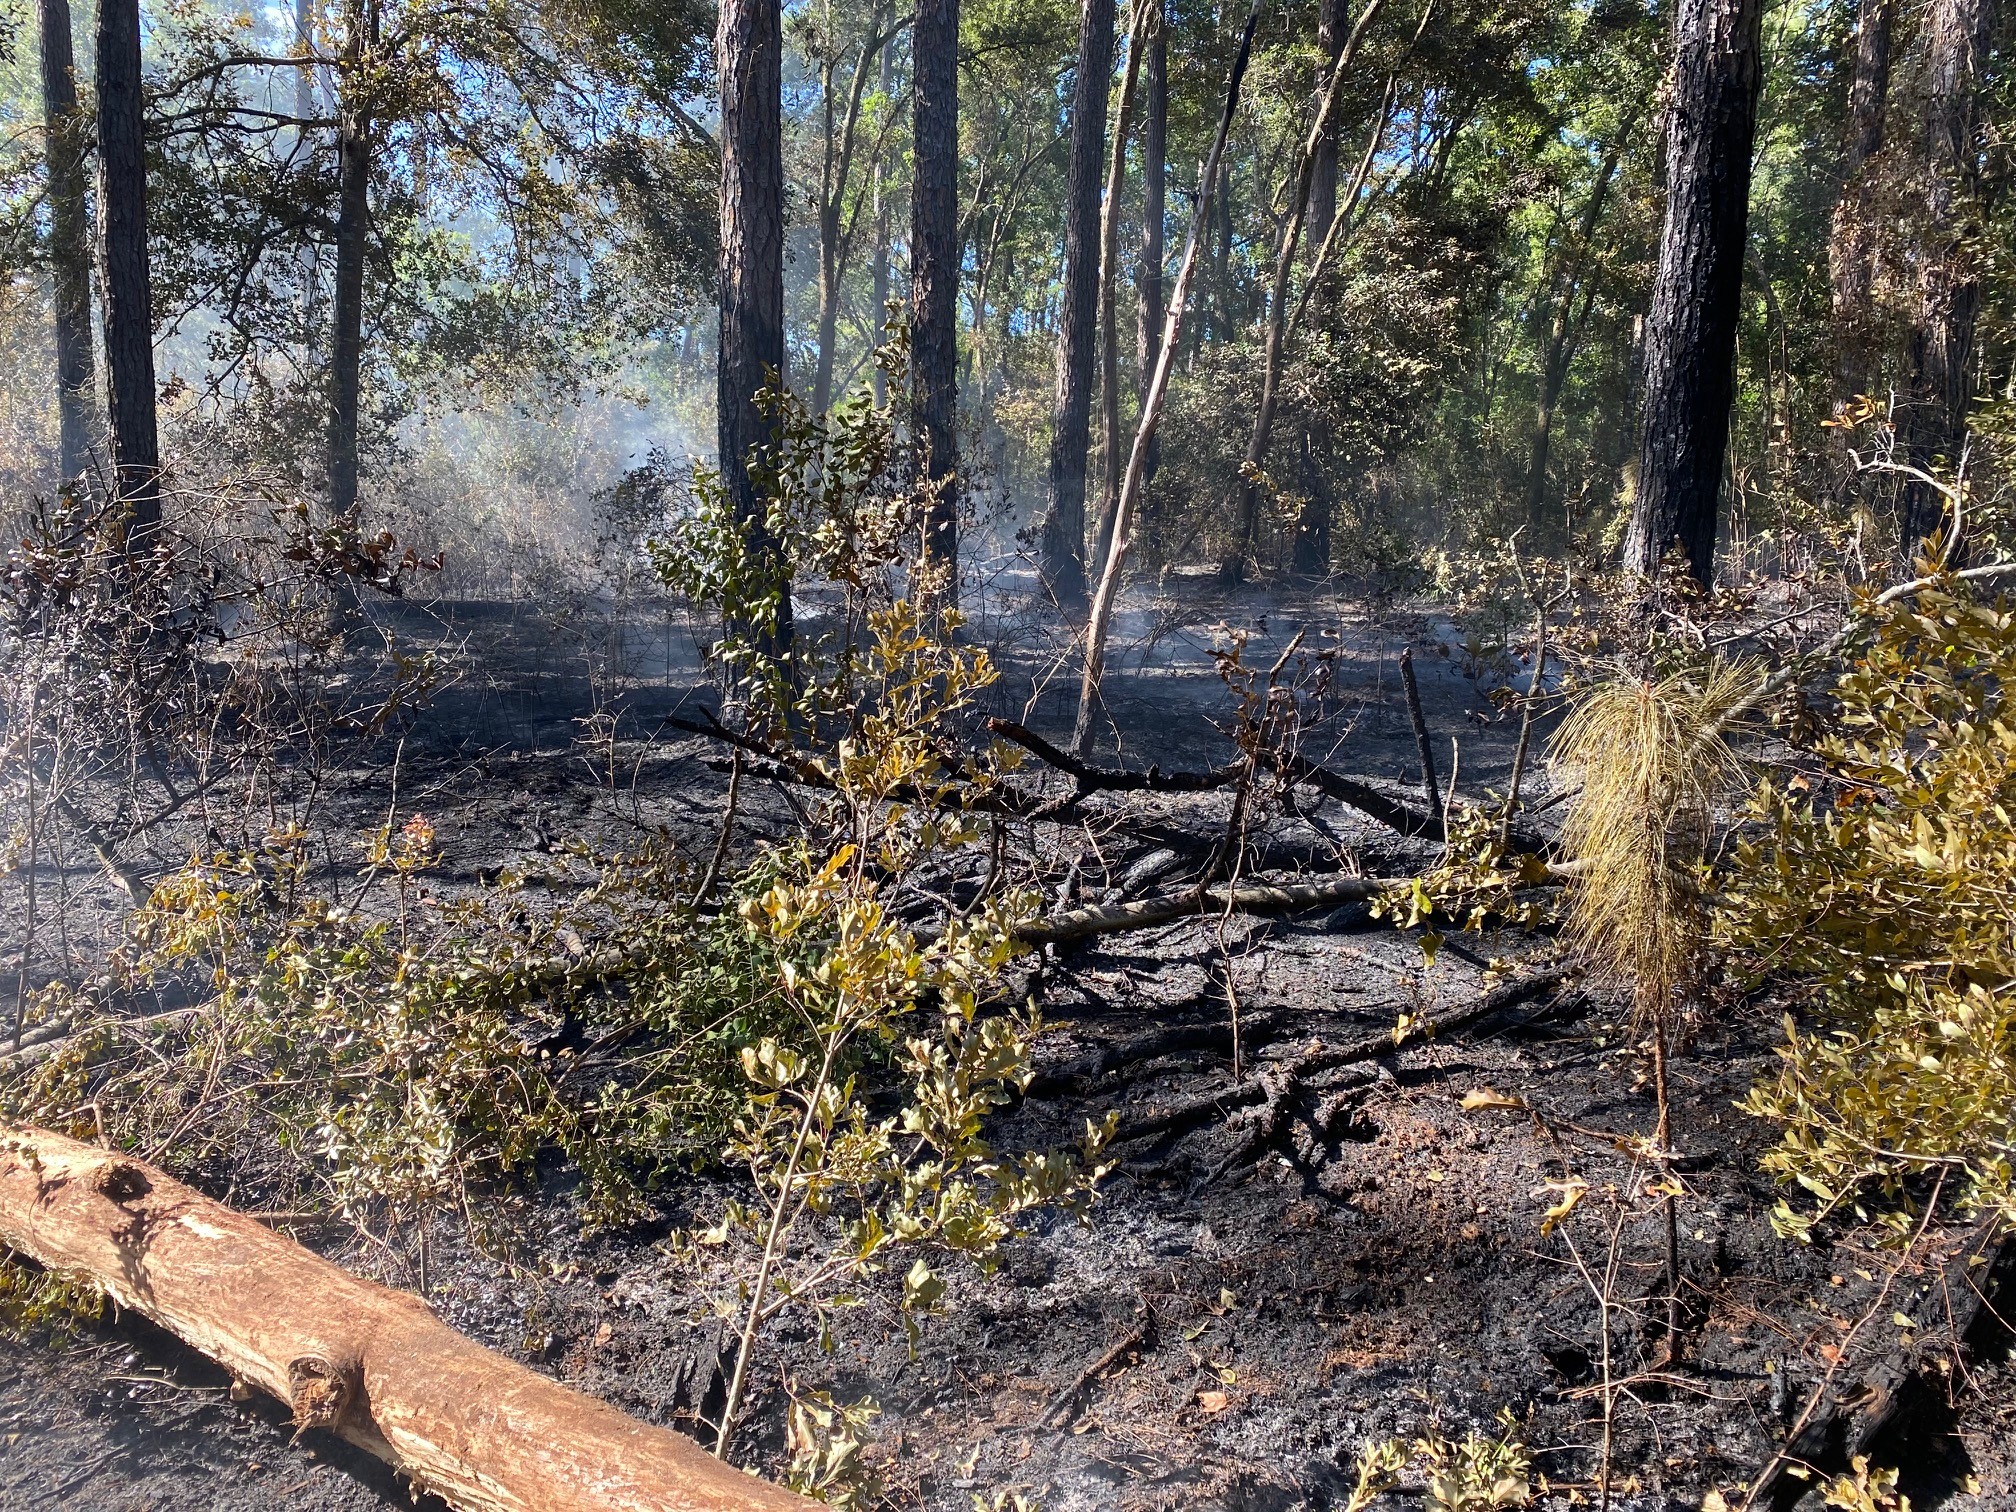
[(1257, 1307)]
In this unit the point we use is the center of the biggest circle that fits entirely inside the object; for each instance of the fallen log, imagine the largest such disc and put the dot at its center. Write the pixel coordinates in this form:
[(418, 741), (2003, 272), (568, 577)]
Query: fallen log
[(368, 1363)]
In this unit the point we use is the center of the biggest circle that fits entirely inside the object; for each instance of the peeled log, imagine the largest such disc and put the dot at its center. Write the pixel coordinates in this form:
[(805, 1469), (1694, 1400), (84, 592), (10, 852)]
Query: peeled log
[(368, 1363)]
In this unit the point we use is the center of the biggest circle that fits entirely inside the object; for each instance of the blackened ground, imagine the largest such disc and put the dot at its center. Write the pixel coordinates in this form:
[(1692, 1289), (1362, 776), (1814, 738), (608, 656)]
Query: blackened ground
[(1375, 1267)]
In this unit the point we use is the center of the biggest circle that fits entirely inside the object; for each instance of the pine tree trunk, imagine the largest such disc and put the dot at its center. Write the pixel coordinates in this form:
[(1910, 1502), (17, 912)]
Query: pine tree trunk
[(1851, 245), (125, 280), (750, 55), (1690, 335), (1949, 291), (934, 277), (353, 229), (1078, 330), (69, 240), (1154, 191)]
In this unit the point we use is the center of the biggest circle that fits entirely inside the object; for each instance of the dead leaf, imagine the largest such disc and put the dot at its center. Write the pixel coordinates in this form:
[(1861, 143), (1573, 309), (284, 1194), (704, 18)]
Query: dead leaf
[(603, 1335), (1481, 1099), (1213, 1401)]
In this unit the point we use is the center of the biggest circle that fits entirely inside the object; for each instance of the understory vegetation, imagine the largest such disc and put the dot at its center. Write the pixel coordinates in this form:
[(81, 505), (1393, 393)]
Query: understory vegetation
[(1236, 757)]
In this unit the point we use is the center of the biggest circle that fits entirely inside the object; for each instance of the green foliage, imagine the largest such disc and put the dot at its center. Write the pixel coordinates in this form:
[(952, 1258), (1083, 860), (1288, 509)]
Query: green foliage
[(1477, 1473), (400, 1054), (1889, 889)]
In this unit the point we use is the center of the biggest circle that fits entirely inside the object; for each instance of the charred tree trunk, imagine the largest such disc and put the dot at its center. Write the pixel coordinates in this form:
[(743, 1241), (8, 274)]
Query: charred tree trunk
[(125, 280), (353, 229), (1850, 249), (69, 240), (934, 278), (1078, 330), (1154, 191), (1323, 184), (1690, 337), (1949, 289), (750, 57)]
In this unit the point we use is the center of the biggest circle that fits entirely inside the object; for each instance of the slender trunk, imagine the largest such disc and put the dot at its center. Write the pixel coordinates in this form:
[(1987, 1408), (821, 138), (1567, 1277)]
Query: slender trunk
[(1323, 185), (1151, 405), (1233, 568), (1949, 288), (1558, 347), (1851, 248), (934, 280), (1154, 189), (750, 54), (880, 272), (1071, 414), (1690, 336), (837, 170), (353, 224), (125, 281), (69, 240), (1109, 272)]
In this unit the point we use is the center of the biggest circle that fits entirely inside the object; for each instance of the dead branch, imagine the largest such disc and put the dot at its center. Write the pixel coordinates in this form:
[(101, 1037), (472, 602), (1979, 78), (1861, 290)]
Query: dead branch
[(368, 1363)]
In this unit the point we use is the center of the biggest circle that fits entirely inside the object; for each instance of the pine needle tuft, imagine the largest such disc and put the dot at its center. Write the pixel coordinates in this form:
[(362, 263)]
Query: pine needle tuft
[(1653, 764)]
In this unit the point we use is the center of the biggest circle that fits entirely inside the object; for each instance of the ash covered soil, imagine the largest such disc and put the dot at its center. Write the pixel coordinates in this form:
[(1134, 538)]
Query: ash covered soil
[(1288, 1261)]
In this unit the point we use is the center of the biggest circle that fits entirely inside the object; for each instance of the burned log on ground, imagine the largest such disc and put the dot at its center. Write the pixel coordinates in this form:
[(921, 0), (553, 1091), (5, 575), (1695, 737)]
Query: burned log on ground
[(368, 1363)]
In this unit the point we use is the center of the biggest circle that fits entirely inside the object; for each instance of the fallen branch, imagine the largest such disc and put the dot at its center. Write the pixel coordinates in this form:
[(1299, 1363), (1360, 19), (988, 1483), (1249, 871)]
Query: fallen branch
[(370, 1364), (1146, 913)]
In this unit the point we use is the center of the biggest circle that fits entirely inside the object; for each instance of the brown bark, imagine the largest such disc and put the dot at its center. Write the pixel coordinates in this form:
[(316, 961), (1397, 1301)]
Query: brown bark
[(1690, 334), (353, 228), (1247, 490), (1151, 404), (934, 279), (361, 1360), (1154, 191), (750, 57), (1063, 549), (69, 240), (125, 282), (1109, 273), (1851, 245), (1949, 291)]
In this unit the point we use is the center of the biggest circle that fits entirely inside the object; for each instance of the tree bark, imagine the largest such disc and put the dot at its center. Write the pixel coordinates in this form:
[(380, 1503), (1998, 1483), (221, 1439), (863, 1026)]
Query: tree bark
[(1247, 490), (1063, 552), (1109, 274), (934, 281), (69, 240), (1154, 191), (1151, 404), (1851, 244), (372, 1365), (1690, 335), (353, 229), (750, 57), (125, 281), (1323, 184), (1949, 290)]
